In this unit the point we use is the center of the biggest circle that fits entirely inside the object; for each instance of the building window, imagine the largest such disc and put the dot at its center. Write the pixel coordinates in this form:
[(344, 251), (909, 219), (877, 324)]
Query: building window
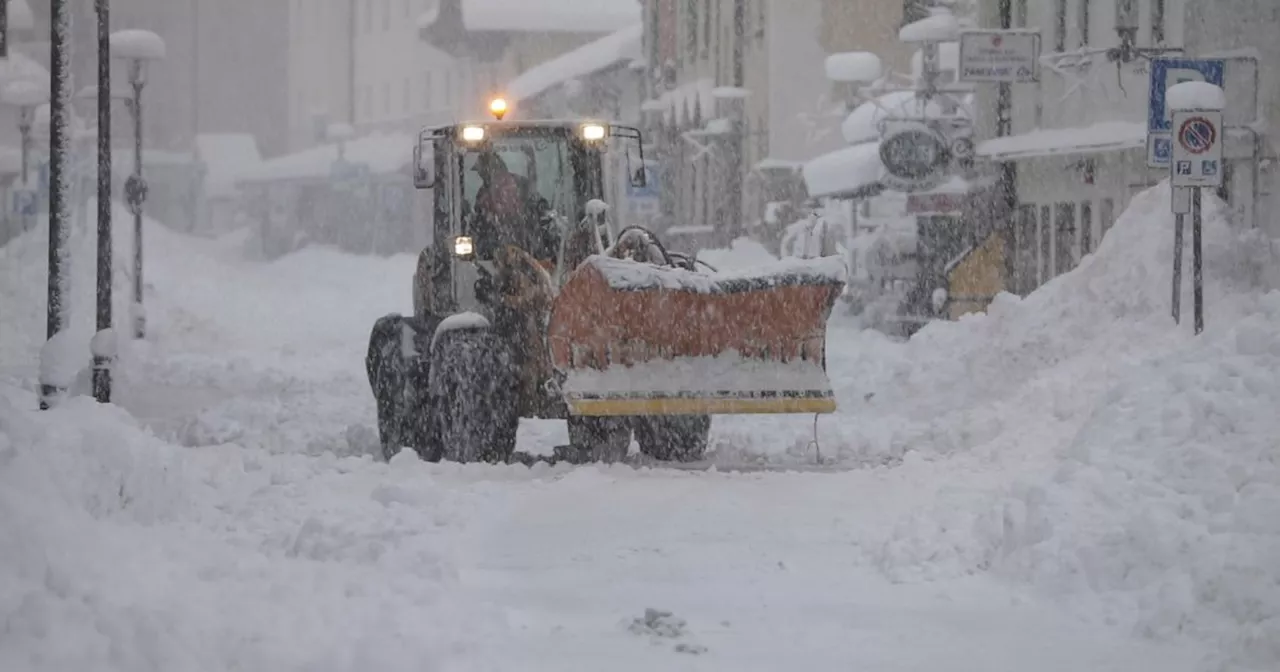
[(1083, 18), (691, 28), (1086, 228), (386, 98), (386, 14), (368, 16), (1020, 17), (1157, 22), (762, 17), (408, 95), (408, 8), (1065, 223), (706, 25), (426, 91), (1059, 25), (1046, 243), (1106, 216)]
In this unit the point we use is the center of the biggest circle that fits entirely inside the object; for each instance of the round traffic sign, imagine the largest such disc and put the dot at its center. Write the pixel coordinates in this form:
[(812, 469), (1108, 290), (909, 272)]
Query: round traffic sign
[(1197, 135)]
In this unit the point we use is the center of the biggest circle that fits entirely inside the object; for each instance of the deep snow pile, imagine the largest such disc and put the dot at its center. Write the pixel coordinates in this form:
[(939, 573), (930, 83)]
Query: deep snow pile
[(125, 553), (1142, 459)]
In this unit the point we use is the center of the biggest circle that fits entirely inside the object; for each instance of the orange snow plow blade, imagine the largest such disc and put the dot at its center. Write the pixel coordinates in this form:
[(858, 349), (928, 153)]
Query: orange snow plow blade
[(640, 339)]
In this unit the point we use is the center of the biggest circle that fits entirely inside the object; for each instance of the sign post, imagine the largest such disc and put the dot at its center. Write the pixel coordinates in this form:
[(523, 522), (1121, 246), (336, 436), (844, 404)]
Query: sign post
[(1196, 156)]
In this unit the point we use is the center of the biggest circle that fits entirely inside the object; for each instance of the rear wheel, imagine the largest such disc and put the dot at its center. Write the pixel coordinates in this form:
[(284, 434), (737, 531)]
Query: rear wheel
[(474, 405), (599, 439), (673, 438)]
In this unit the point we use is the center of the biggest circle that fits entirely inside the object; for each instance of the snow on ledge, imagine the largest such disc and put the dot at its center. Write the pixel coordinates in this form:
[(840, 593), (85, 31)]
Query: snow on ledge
[(1195, 96), (139, 44), (1101, 137), (626, 274), (854, 66), (941, 27)]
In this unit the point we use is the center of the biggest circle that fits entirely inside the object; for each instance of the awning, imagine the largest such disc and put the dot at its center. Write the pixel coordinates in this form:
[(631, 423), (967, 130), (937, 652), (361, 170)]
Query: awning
[(852, 172), (1107, 136)]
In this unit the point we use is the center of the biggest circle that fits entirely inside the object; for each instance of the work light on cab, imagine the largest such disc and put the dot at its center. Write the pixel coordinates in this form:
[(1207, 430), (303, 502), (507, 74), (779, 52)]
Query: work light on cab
[(473, 133), (498, 106)]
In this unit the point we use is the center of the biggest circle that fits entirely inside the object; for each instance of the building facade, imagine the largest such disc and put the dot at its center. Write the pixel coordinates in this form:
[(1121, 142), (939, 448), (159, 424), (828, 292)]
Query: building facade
[(738, 100), (1077, 142)]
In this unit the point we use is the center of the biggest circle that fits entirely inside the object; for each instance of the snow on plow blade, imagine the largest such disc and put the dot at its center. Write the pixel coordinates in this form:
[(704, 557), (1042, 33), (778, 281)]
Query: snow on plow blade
[(638, 339)]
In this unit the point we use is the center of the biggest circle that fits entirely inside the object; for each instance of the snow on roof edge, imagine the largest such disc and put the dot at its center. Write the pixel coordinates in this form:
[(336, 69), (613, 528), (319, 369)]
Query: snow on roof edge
[(621, 45)]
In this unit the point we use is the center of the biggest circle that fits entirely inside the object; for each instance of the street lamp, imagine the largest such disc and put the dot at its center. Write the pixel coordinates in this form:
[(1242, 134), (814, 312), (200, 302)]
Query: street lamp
[(26, 95), (137, 48)]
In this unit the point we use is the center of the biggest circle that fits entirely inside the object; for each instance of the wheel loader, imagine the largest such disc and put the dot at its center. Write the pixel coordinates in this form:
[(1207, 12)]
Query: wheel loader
[(528, 304)]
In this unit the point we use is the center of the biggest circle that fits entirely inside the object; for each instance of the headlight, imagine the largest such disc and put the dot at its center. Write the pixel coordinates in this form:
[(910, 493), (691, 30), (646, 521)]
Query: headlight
[(473, 133), (593, 132), (462, 246)]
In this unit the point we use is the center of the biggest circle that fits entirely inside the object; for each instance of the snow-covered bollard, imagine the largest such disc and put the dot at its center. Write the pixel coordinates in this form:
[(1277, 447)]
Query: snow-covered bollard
[(59, 368)]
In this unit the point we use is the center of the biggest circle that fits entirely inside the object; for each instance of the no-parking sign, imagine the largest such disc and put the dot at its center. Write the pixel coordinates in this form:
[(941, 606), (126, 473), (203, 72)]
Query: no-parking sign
[(1197, 148)]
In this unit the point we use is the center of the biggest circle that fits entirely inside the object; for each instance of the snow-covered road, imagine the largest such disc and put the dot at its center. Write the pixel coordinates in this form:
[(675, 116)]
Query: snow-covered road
[(1065, 484)]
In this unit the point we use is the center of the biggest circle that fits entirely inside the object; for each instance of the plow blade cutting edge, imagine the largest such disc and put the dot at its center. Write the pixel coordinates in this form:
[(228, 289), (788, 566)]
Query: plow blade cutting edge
[(639, 339)]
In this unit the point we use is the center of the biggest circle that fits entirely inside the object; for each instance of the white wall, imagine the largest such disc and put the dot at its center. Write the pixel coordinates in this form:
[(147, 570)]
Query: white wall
[(798, 83)]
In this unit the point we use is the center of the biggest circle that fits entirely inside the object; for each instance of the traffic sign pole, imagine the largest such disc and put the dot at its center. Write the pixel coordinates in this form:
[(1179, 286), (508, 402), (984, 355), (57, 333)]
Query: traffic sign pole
[(1198, 277), (1177, 268)]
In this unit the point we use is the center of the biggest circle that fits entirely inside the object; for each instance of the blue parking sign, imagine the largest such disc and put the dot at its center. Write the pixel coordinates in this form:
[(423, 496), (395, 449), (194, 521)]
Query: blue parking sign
[(1167, 72)]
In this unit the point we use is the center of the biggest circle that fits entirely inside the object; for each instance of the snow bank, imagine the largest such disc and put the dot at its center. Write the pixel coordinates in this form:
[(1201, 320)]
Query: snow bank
[(742, 254), (1135, 464), (124, 553)]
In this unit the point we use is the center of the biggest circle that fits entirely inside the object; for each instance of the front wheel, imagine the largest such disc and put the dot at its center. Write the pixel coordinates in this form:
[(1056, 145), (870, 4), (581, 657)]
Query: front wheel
[(474, 406), (600, 439), (673, 438)]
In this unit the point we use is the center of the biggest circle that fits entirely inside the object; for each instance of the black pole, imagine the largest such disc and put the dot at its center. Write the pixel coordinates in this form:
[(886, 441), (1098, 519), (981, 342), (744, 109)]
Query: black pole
[(1197, 276), (59, 104), (1177, 266), (139, 317), (4, 29), (102, 362), (1007, 190)]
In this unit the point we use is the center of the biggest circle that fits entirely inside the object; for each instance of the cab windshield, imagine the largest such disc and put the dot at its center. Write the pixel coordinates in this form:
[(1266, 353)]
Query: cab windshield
[(511, 186)]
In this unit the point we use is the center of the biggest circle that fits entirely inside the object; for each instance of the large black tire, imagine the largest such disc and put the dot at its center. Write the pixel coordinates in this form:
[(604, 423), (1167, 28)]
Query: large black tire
[(673, 438), (474, 406), (599, 439), (399, 385)]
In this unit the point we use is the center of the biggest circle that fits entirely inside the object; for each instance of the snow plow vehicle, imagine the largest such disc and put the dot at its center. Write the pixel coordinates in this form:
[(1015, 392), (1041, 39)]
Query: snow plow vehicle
[(527, 304)]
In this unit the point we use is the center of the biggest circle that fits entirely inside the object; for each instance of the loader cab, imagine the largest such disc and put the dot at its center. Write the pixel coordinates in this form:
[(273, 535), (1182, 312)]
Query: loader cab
[(498, 183)]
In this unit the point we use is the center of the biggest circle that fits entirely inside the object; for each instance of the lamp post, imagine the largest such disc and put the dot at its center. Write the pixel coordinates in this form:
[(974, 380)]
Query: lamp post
[(137, 48), (26, 95)]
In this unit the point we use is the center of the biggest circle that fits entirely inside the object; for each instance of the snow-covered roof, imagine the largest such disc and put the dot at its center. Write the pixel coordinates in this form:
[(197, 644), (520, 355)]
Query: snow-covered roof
[(622, 45), (862, 125), (1101, 137), (226, 156), (535, 16), (850, 172), (380, 152)]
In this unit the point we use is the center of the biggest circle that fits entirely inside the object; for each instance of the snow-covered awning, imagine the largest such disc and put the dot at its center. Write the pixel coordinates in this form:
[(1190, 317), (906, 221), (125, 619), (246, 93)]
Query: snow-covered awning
[(852, 172), (550, 16), (380, 153), (622, 46), (1106, 136), (863, 124)]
